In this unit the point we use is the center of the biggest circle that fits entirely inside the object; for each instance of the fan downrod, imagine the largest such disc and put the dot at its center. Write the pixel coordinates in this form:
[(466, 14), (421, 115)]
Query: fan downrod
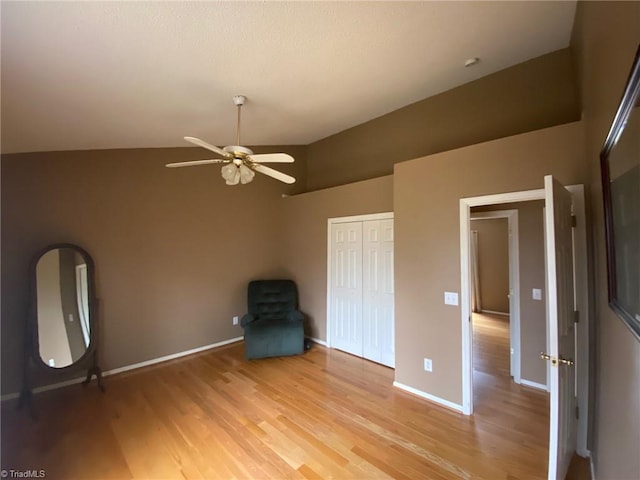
[(239, 101)]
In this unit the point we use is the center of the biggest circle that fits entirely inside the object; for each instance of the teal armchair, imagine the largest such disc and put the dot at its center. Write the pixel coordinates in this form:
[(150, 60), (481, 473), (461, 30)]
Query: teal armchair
[(273, 326)]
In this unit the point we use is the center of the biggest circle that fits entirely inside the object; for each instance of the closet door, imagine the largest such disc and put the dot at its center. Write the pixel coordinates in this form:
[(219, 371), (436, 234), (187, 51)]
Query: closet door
[(346, 287), (377, 293)]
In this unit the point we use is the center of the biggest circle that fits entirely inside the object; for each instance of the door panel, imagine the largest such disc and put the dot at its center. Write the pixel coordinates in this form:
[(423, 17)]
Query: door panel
[(371, 286), (387, 295), (346, 305), (561, 306), (378, 304)]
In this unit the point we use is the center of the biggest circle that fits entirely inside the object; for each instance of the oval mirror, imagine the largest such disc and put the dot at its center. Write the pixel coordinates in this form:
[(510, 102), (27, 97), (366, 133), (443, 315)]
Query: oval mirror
[(63, 287)]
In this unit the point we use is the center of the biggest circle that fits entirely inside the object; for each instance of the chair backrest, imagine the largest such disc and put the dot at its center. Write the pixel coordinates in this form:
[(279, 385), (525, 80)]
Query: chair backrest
[(271, 299)]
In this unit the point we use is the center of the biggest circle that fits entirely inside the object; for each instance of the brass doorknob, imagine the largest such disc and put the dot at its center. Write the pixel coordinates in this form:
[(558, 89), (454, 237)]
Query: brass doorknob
[(555, 361), (545, 356)]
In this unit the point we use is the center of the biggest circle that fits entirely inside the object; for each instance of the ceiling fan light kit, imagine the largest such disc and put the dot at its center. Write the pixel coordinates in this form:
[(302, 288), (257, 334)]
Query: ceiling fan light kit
[(240, 163), (234, 174)]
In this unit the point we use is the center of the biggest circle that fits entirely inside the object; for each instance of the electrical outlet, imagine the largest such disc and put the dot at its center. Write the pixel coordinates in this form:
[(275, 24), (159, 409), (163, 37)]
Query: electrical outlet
[(450, 298), (428, 365), (235, 320)]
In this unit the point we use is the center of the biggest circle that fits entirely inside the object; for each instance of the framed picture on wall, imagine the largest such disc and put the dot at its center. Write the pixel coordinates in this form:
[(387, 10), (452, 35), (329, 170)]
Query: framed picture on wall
[(620, 167)]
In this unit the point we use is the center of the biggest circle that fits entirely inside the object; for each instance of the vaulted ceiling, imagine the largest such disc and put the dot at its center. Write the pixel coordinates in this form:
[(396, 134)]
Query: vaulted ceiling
[(100, 75)]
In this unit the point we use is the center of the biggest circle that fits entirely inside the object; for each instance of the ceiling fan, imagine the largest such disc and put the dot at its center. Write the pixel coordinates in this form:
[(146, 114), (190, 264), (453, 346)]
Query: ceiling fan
[(240, 163)]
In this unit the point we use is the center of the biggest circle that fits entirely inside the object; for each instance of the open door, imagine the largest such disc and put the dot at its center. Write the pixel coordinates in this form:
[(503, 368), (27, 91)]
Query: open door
[(561, 306)]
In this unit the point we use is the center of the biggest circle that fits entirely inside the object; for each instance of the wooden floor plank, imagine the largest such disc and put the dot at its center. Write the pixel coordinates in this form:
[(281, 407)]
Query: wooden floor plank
[(324, 414)]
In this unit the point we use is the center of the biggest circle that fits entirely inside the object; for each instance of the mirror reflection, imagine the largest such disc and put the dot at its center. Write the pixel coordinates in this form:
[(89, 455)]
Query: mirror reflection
[(62, 307), (624, 175)]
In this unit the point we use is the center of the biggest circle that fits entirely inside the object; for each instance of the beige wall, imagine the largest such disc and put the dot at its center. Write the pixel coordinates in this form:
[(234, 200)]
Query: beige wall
[(529, 96), (173, 252), (173, 248), (427, 192), (146, 232), (605, 40), (533, 315), (304, 238), (493, 263)]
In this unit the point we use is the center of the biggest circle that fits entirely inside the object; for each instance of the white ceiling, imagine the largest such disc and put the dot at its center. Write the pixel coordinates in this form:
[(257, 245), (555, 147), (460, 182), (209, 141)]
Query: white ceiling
[(97, 75)]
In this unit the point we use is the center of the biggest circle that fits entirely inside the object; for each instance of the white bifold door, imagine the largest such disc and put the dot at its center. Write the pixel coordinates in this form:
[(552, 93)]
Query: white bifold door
[(361, 288)]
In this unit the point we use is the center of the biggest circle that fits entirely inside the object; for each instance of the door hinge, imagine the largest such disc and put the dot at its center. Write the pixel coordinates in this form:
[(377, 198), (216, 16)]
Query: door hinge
[(577, 412), (576, 316), (574, 221)]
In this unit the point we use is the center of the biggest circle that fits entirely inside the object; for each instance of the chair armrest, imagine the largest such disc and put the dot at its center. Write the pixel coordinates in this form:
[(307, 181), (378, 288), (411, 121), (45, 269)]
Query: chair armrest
[(246, 319), (295, 316)]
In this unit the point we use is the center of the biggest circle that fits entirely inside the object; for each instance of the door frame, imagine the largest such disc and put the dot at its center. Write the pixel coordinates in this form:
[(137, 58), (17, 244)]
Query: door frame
[(514, 283), (581, 287), (330, 223)]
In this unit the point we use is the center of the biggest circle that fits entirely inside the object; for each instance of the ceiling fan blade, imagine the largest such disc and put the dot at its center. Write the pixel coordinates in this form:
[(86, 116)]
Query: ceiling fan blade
[(208, 146), (271, 158), (196, 162), (283, 177)]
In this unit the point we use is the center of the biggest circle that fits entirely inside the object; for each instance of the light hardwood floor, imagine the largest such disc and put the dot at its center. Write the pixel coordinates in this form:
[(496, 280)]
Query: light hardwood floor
[(491, 344), (491, 358), (492, 378), (324, 414)]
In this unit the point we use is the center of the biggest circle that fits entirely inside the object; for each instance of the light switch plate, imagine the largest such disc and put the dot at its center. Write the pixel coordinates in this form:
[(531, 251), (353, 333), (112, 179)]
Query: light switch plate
[(536, 294), (450, 298)]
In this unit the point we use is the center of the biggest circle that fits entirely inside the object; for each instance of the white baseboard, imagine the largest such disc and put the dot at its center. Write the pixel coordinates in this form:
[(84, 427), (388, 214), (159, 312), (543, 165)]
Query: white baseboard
[(53, 386), (126, 368), (318, 341), (493, 312), (539, 386), (432, 398), (171, 357)]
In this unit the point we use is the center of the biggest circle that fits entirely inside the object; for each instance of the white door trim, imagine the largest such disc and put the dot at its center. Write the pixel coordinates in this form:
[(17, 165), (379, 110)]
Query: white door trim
[(360, 218), (330, 222), (82, 299), (465, 302), (581, 298), (514, 283)]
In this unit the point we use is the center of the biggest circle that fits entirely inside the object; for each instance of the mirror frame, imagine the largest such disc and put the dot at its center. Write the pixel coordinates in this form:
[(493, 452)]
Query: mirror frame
[(33, 314), (630, 98)]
